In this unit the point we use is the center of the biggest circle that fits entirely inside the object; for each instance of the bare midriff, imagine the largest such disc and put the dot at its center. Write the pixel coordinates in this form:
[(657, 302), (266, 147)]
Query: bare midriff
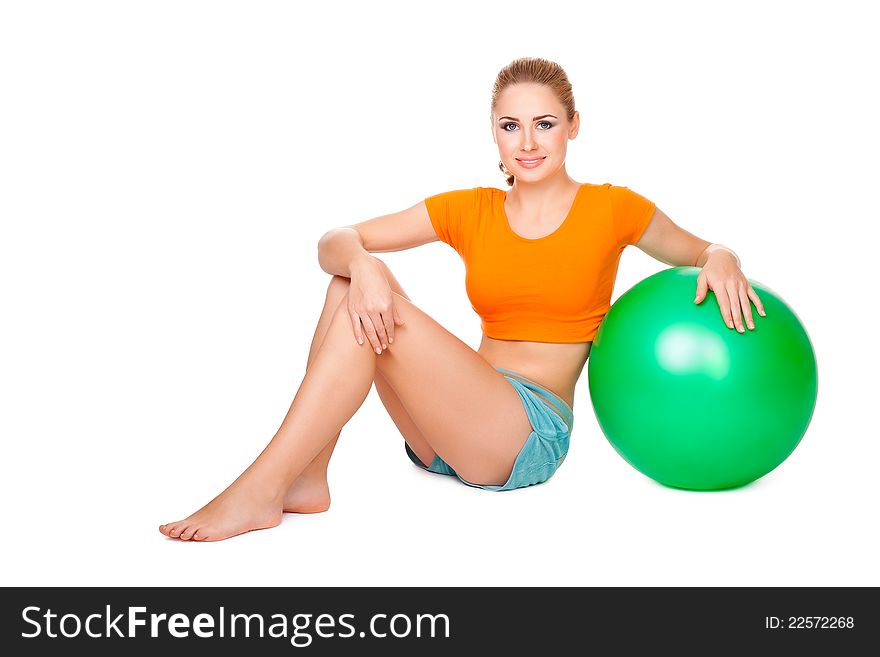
[(553, 365)]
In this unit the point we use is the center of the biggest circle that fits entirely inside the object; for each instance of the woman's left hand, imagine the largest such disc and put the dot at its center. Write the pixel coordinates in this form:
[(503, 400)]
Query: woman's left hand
[(732, 289)]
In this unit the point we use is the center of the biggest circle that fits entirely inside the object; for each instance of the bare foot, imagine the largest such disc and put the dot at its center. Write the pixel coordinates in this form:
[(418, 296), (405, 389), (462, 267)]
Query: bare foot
[(307, 496), (240, 508)]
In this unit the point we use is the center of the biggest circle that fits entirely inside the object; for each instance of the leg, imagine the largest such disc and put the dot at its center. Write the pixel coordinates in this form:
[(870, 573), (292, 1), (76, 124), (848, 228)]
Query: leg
[(454, 403), (396, 407), (342, 373), (310, 493), (426, 366)]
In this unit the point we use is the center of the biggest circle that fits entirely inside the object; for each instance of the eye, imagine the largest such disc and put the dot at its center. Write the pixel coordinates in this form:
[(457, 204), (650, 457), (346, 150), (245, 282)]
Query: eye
[(547, 123)]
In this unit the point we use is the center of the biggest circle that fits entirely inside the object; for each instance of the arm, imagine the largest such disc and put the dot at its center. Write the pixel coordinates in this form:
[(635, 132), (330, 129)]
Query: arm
[(713, 248), (370, 303), (341, 250), (663, 240), (720, 272)]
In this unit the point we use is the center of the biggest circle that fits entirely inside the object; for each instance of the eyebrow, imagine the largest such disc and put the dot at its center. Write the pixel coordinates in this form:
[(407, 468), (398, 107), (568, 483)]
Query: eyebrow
[(543, 116)]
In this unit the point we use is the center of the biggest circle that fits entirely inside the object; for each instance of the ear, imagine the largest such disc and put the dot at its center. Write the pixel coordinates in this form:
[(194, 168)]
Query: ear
[(575, 125)]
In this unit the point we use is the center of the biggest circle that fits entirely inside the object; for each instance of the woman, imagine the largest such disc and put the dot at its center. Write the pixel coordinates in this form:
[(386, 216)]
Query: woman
[(541, 261)]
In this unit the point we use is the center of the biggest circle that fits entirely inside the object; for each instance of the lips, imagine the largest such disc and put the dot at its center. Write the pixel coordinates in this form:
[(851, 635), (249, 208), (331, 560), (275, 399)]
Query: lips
[(526, 164)]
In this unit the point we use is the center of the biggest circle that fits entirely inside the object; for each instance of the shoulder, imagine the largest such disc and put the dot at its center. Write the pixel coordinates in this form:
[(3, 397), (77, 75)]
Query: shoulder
[(488, 192), (467, 198), (617, 189), (623, 195), (594, 188), (467, 193)]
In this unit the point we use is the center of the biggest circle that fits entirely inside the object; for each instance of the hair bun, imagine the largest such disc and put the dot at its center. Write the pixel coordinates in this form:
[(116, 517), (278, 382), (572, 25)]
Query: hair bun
[(507, 174)]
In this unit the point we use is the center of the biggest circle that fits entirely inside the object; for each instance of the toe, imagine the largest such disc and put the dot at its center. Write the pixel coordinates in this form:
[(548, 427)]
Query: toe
[(187, 533)]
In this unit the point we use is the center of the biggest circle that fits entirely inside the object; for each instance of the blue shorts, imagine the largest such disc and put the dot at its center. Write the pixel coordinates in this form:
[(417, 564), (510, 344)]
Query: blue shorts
[(552, 421)]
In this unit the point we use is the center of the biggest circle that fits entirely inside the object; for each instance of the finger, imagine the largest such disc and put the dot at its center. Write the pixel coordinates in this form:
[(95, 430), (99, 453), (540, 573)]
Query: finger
[(724, 306), (702, 286), (757, 301), (356, 322), (371, 335), (746, 307), (388, 318), (397, 320), (735, 312), (379, 323)]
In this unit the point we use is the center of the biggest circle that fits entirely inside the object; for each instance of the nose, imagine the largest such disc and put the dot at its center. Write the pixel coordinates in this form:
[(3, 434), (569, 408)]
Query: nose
[(528, 141)]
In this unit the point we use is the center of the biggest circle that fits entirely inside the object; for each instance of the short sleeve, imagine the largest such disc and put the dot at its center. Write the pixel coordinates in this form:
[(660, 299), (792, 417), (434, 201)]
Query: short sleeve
[(631, 212), (450, 213)]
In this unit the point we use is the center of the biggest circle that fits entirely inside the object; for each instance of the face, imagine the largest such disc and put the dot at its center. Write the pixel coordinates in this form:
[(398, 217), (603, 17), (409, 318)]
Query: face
[(530, 123)]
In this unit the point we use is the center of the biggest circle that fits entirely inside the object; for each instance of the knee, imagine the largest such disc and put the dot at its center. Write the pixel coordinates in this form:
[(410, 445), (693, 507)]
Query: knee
[(339, 283), (337, 289)]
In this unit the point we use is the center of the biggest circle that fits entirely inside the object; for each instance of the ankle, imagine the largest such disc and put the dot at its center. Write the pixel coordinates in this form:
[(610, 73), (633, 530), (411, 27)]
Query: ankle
[(310, 480)]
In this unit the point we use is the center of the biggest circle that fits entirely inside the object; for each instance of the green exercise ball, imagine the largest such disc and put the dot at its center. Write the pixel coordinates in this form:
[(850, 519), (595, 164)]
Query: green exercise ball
[(690, 402)]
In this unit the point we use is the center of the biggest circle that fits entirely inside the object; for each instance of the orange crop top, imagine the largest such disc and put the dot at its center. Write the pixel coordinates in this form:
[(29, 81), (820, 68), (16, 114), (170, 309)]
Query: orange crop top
[(555, 288)]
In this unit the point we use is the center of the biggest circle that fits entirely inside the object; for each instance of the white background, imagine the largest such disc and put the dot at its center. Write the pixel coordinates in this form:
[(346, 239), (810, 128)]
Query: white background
[(167, 168)]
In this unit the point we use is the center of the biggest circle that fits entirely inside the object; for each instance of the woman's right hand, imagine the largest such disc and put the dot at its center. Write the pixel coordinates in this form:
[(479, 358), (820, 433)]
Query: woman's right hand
[(371, 305)]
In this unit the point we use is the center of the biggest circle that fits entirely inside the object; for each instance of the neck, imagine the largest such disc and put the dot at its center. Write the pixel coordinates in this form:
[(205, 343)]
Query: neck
[(540, 194)]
